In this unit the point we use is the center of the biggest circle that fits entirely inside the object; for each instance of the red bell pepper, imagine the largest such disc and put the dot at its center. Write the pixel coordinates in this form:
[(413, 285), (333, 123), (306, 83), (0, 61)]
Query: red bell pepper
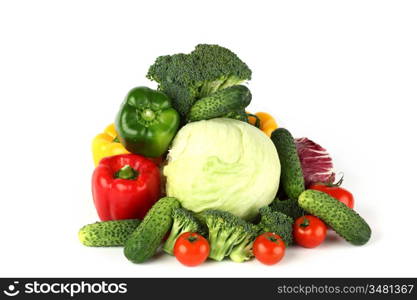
[(125, 186)]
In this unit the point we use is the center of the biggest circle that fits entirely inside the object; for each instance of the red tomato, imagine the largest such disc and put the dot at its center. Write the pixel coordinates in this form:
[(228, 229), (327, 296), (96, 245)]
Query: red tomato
[(191, 249), (269, 248), (337, 192), (309, 231)]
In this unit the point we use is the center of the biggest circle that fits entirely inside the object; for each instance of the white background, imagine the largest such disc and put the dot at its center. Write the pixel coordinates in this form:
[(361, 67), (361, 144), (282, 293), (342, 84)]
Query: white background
[(342, 73)]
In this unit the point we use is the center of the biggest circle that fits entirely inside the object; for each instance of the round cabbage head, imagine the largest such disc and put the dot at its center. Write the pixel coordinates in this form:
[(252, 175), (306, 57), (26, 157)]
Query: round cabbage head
[(223, 164)]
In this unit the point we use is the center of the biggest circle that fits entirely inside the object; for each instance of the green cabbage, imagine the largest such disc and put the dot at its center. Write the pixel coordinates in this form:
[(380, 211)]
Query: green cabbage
[(223, 164)]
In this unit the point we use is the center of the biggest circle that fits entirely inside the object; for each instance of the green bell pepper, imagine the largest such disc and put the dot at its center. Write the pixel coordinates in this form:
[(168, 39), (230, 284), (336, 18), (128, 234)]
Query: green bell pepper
[(146, 122)]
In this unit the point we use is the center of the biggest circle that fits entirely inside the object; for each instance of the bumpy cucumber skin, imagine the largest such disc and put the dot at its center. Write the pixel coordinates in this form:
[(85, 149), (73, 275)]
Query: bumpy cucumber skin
[(292, 179), (234, 98), (108, 233), (345, 221), (145, 240)]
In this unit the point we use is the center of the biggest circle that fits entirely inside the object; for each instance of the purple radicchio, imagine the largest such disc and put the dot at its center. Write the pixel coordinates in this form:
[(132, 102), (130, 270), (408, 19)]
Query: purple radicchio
[(316, 163)]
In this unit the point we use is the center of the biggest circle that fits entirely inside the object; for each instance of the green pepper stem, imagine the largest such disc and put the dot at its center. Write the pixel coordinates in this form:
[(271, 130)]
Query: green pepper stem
[(127, 172), (148, 115)]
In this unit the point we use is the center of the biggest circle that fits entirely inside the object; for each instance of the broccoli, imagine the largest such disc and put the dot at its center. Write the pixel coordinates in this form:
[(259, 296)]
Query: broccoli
[(229, 235), (243, 251), (289, 207), (186, 78), (183, 221), (276, 222)]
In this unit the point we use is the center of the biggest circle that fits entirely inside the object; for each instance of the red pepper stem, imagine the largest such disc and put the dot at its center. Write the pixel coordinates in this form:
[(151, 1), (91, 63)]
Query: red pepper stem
[(127, 172)]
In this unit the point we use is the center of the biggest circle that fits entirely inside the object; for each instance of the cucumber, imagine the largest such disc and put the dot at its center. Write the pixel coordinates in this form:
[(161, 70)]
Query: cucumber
[(145, 240), (345, 221), (292, 179), (220, 103), (108, 233)]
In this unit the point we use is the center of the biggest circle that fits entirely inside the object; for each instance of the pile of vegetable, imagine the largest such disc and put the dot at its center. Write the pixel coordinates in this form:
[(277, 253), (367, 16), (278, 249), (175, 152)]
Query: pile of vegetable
[(185, 169)]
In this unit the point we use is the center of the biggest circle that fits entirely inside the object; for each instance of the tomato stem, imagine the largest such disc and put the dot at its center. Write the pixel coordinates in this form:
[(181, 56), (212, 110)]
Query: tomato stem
[(305, 223), (192, 238), (331, 184), (339, 183), (273, 239)]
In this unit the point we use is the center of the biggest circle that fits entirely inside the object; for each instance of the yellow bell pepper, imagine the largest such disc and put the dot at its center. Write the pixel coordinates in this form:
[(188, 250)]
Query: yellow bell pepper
[(106, 144), (267, 122)]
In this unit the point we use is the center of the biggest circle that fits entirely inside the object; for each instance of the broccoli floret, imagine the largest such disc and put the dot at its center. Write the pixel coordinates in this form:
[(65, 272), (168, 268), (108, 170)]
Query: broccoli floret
[(220, 68), (182, 98), (289, 207), (186, 78), (276, 222), (229, 235), (183, 221)]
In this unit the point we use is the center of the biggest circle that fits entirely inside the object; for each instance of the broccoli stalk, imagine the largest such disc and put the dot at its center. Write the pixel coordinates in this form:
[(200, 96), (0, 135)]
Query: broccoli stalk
[(185, 78), (243, 251), (228, 235), (210, 87), (276, 222), (183, 221)]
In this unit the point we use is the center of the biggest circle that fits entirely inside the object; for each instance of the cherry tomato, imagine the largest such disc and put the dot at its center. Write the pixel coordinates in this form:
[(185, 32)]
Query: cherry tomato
[(337, 192), (309, 231), (269, 248), (191, 249)]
